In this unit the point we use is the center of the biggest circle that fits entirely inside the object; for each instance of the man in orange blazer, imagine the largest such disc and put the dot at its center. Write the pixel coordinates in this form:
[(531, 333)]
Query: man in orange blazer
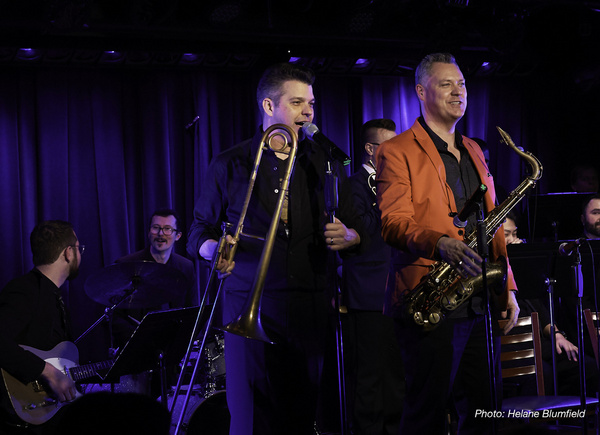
[(425, 176)]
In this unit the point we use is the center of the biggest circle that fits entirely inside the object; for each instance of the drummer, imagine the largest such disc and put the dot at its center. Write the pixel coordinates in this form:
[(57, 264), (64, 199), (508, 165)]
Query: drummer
[(163, 231)]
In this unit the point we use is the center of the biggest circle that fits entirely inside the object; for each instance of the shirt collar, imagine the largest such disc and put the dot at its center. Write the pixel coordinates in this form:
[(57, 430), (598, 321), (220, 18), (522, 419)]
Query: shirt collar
[(439, 143), (368, 168)]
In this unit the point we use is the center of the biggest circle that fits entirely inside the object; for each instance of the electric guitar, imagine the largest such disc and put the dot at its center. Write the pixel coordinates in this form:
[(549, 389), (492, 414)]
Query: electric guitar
[(31, 402)]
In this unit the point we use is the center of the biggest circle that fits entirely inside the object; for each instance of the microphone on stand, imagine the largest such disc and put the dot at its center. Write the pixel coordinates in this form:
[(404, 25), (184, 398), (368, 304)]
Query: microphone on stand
[(460, 220), (566, 249), (313, 132), (187, 127)]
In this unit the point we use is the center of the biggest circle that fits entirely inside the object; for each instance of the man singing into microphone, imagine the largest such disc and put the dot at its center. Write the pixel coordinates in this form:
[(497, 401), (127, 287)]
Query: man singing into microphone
[(425, 175), (273, 388)]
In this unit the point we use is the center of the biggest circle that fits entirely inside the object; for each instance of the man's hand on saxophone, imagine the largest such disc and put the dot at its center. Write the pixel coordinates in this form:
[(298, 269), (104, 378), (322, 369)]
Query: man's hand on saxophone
[(458, 255), (468, 263)]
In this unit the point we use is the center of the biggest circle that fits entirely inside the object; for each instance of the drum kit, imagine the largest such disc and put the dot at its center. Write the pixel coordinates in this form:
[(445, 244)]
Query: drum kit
[(136, 284), (146, 285)]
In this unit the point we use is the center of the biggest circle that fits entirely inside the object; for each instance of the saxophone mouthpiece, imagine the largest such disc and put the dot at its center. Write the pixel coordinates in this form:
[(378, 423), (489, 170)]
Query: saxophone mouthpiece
[(505, 136)]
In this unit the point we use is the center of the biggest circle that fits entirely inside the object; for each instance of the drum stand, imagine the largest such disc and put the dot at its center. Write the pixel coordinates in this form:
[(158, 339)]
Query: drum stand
[(220, 249), (159, 340), (108, 313), (107, 316)]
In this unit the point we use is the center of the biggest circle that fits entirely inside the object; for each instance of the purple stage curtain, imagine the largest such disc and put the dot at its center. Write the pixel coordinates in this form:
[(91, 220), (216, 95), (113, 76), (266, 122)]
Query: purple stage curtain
[(103, 148)]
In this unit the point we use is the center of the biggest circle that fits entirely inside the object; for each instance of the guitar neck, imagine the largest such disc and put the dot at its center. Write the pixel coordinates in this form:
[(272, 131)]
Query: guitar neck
[(87, 371)]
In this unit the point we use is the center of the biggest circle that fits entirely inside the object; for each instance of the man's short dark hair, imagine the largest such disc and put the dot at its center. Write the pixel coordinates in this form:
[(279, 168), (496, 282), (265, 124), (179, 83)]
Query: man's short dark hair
[(166, 212), (386, 124), (424, 68), (276, 75), (587, 200), (48, 239), (514, 216)]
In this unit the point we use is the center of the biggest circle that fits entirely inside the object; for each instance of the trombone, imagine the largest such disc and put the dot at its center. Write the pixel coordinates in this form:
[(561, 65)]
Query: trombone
[(248, 323)]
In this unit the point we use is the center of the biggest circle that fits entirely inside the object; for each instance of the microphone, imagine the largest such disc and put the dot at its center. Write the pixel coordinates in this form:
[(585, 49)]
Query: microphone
[(567, 248), (460, 220), (313, 132), (187, 127)]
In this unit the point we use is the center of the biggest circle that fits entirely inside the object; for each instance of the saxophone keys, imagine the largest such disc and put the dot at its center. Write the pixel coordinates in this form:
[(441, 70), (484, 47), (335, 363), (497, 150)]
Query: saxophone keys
[(448, 302), (418, 318), (434, 318)]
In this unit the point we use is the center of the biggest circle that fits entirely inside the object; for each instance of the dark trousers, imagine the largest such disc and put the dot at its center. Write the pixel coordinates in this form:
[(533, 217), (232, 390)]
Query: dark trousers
[(446, 367), (273, 388), (375, 373)]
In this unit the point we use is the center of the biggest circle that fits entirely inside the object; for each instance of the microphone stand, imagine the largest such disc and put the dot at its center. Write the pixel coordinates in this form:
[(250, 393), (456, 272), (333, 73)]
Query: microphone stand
[(331, 203), (578, 284), (549, 282), (108, 312), (483, 251)]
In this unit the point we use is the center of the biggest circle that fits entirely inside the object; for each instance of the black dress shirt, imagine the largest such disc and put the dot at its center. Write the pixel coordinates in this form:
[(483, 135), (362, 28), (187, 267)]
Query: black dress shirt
[(463, 181), (461, 176), (30, 314), (299, 259)]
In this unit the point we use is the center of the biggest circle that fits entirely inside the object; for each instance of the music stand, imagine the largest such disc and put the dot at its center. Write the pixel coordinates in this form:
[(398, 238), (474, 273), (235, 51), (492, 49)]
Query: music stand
[(161, 339), (555, 216)]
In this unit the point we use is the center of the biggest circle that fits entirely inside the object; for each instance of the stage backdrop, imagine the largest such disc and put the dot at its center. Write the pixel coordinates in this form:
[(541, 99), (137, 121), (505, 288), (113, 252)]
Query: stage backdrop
[(103, 148)]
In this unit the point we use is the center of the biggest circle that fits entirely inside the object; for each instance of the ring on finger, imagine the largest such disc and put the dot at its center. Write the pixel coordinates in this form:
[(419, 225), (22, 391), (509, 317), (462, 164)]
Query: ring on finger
[(331, 241)]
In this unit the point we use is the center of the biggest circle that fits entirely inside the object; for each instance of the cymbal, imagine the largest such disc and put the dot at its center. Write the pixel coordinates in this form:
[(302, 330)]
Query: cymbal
[(144, 284)]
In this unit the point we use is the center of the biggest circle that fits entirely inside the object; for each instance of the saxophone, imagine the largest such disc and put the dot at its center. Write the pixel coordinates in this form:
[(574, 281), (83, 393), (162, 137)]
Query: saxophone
[(443, 290)]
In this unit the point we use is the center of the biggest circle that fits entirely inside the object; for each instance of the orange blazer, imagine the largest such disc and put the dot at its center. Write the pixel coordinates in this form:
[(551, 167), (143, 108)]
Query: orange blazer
[(416, 202)]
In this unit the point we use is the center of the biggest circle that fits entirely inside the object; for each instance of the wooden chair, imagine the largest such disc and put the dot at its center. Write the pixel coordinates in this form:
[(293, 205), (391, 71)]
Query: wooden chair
[(527, 360), (591, 321), (521, 351)]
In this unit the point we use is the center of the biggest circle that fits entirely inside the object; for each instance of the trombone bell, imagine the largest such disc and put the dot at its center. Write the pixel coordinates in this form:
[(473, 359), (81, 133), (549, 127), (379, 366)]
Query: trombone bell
[(248, 326)]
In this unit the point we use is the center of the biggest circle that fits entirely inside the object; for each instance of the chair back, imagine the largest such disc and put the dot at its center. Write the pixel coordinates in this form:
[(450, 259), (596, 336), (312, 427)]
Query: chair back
[(521, 351)]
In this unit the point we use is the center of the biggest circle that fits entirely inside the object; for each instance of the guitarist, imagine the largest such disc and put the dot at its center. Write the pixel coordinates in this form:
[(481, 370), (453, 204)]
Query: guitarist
[(32, 313)]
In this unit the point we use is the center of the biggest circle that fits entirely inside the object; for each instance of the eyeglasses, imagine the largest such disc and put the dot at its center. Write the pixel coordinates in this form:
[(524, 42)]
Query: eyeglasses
[(80, 247), (167, 231), (374, 144)]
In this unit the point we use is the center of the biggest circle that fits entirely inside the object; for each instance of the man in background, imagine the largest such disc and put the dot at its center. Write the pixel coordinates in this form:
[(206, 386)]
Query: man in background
[(32, 313), (375, 377), (590, 217), (510, 230), (163, 231)]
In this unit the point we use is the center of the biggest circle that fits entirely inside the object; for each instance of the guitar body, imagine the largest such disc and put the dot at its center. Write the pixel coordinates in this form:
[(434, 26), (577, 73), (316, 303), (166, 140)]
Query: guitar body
[(31, 402)]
